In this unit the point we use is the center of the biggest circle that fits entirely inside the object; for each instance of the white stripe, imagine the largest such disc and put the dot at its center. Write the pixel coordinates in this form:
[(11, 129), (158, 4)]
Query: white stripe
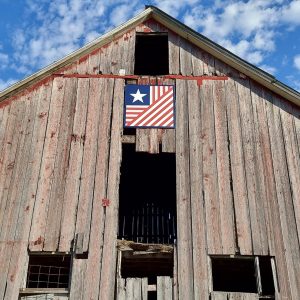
[(161, 113), (136, 106), (154, 107), (161, 109), (164, 118), (134, 110), (155, 93), (169, 123)]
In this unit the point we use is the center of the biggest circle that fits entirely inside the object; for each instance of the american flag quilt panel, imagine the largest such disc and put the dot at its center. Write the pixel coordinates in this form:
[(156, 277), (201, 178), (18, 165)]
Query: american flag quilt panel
[(149, 106)]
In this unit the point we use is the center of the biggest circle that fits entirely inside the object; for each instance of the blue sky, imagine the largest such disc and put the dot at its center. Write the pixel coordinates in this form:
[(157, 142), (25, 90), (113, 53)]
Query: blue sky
[(34, 33)]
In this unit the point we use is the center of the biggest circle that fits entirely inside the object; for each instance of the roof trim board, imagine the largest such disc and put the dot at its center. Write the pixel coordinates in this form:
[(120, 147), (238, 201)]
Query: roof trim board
[(194, 37)]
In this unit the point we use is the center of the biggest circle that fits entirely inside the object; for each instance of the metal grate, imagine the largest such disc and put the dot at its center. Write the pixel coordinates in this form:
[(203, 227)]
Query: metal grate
[(48, 271), (149, 223)]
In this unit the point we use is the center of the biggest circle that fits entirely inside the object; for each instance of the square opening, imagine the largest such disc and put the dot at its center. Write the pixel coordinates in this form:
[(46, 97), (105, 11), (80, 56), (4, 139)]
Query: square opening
[(243, 274), (151, 54), (234, 275), (48, 271)]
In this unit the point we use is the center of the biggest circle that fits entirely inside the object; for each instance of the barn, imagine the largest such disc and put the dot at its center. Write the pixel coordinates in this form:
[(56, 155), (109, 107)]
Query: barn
[(207, 207)]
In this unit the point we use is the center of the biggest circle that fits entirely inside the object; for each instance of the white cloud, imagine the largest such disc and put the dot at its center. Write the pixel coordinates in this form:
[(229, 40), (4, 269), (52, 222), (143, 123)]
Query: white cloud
[(269, 69), (291, 13), (297, 61), (6, 83), (3, 60)]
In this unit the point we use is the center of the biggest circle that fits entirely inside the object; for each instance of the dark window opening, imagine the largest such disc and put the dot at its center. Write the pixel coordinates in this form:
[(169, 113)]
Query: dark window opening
[(151, 54), (129, 131), (244, 275), (266, 275), (147, 212), (48, 271), (147, 265)]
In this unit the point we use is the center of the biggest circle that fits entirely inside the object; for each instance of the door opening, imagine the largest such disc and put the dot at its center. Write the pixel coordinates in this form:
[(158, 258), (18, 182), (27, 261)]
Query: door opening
[(147, 211)]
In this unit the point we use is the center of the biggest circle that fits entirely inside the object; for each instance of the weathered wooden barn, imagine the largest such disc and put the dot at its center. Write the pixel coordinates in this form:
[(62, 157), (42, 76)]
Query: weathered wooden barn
[(92, 210)]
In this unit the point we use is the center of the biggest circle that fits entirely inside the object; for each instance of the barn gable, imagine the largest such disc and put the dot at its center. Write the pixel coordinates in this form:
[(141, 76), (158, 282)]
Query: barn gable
[(234, 153)]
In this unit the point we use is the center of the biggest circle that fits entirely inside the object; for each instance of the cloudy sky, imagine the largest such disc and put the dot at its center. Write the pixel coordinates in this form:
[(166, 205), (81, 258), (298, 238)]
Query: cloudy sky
[(34, 33)]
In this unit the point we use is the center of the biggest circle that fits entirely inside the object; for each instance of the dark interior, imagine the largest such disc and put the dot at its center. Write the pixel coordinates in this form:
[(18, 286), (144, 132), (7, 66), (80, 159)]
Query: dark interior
[(151, 54), (234, 275), (48, 271), (147, 212), (266, 275)]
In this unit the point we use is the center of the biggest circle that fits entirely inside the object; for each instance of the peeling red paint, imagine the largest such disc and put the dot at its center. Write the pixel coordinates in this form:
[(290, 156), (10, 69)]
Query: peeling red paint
[(52, 134), (105, 202), (39, 241), (42, 115), (27, 208)]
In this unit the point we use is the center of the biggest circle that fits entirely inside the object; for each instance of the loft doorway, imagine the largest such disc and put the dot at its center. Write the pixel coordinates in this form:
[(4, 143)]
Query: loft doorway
[(147, 211)]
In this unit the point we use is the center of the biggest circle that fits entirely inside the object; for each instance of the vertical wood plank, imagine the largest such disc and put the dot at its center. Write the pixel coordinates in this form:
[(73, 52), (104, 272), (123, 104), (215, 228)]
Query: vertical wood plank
[(174, 49), (197, 61), (61, 165), (164, 288), (111, 214), (94, 263), (197, 202), (121, 291), (184, 232), (89, 160), (144, 288), (227, 225), (286, 209), (243, 226), (72, 185), (185, 57), (18, 263), (258, 226), (48, 161), (210, 180)]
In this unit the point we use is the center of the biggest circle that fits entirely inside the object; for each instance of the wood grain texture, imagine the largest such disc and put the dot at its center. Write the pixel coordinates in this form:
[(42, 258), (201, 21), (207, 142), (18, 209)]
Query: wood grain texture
[(94, 262), (199, 240), (73, 177), (56, 197), (38, 228), (184, 230), (108, 268), (243, 225), (283, 188), (89, 160), (227, 224)]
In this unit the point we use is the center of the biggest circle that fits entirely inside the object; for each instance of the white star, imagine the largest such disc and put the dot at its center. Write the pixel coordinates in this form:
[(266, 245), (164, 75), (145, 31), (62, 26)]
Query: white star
[(138, 96)]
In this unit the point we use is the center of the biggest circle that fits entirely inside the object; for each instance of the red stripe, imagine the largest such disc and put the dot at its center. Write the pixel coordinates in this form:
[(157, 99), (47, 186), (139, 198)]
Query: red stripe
[(164, 114), (149, 114), (166, 121)]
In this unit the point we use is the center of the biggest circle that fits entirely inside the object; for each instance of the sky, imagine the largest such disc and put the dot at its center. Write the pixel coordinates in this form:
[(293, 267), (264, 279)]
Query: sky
[(35, 33)]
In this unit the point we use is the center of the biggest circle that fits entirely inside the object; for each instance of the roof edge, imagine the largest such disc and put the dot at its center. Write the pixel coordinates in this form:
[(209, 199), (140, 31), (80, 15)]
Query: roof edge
[(102, 40), (253, 72)]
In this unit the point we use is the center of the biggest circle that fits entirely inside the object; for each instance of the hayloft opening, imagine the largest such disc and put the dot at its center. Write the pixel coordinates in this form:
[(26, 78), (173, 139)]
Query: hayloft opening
[(48, 271), (151, 54), (147, 211), (247, 274)]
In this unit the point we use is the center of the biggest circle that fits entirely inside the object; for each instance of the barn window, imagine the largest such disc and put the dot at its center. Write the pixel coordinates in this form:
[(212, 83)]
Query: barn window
[(248, 274), (48, 271), (147, 212), (151, 54)]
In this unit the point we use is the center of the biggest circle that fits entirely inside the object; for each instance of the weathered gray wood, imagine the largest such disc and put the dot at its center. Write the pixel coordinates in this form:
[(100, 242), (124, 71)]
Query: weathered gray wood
[(92, 278), (47, 167), (144, 288), (121, 291), (287, 214), (73, 177), (197, 201), (224, 172), (94, 60), (256, 209), (128, 56), (89, 160), (184, 230), (197, 61), (243, 225), (261, 104), (111, 214), (56, 198), (185, 57), (77, 290), (263, 202), (18, 263), (174, 48), (210, 180), (164, 288), (129, 288)]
